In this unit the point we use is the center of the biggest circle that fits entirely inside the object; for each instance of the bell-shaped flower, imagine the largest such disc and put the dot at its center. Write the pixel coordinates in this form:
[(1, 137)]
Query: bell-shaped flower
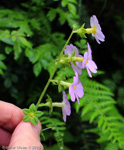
[(99, 36), (76, 89), (66, 109), (88, 63), (69, 51)]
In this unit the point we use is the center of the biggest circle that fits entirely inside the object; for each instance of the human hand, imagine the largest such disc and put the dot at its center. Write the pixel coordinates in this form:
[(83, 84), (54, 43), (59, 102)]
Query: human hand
[(14, 133)]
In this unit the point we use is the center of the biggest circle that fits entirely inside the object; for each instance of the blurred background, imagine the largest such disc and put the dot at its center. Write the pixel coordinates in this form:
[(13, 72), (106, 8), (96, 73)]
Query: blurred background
[(32, 34)]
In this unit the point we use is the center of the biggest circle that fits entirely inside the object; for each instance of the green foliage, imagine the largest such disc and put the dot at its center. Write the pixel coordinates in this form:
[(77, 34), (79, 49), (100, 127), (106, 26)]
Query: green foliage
[(32, 114), (57, 126), (97, 105), (69, 15), (32, 34), (2, 64)]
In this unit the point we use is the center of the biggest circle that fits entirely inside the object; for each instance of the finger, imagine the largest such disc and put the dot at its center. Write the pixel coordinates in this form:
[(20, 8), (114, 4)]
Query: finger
[(27, 136), (4, 137), (10, 116)]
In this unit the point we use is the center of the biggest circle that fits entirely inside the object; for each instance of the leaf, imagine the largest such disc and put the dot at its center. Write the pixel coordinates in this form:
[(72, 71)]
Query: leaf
[(39, 113), (25, 42), (26, 111), (26, 119), (94, 115), (100, 121), (14, 78), (50, 104), (1, 71), (7, 41), (64, 3), (37, 68), (51, 14), (42, 135), (7, 83), (8, 50), (2, 57), (72, 8), (87, 108), (17, 49), (32, 108), (34, 121), (14, 38), (2, 65)]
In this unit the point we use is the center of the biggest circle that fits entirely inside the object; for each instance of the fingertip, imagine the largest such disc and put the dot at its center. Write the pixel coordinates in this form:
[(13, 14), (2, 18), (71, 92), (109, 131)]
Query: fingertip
[(37, 128), (26, 134)]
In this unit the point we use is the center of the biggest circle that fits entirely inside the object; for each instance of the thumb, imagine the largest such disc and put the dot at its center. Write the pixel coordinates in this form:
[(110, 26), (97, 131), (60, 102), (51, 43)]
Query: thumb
[(26, 136)]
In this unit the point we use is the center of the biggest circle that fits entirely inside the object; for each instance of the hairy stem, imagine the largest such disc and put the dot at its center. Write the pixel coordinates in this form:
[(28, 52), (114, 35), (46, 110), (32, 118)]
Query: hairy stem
[(54, 70)]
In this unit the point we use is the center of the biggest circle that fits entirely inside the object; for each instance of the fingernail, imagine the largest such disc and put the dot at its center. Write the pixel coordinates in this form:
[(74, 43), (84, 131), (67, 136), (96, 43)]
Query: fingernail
[(37, 128)]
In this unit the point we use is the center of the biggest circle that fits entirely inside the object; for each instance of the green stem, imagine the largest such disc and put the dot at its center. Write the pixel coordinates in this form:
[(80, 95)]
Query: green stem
[(44, 104), (61, 83), (54, 70), (58, 104), (55, 104), (71, 59)]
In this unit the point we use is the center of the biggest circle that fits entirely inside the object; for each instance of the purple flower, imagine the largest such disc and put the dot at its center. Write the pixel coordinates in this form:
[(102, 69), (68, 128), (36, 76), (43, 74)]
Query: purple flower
[(99, 36), (76, 89), (88, 63), (66, 110), (69, 51)]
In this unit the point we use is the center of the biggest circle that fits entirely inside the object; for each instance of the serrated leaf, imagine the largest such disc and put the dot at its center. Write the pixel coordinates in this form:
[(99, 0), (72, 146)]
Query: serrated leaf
[(32, 108)]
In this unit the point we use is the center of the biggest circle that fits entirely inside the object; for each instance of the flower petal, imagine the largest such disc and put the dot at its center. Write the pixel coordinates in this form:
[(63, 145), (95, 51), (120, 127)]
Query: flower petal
[(66, 110), (71, 92), (79, 90), (92, 66), (89, 72), (89, 51), (76, 79), (70, 49), (76, 69)]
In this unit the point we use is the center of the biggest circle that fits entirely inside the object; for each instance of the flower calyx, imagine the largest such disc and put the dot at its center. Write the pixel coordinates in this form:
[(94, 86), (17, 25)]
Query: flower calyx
[(81, 31), (32, 115)]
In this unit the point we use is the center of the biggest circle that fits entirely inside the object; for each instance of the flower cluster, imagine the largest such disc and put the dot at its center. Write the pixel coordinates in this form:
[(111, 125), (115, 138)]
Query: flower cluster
[(79, 62)]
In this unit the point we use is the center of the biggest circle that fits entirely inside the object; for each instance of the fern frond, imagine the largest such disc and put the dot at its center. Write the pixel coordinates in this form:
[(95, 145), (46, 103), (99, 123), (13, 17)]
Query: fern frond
[(97, 105), (57, 126)]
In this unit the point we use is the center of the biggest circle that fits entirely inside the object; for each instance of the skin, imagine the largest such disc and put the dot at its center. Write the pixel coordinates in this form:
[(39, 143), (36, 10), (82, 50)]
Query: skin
[(16, 133)]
